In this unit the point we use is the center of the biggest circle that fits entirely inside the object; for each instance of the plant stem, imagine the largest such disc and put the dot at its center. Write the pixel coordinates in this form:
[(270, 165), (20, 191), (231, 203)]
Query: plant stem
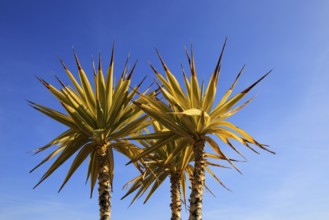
[(175, 196), (104, 187), (198, 181)]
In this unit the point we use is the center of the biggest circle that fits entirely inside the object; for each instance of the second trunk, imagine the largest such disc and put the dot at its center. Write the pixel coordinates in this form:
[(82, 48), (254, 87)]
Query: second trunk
[(175, 196)]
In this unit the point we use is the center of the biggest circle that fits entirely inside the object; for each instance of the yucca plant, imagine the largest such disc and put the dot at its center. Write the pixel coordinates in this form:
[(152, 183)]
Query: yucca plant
[(97, 120), (193, 116), (164, 163)]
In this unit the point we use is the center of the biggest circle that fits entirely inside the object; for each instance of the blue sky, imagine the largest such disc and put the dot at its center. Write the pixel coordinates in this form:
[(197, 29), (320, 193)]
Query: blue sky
[(290, 112)]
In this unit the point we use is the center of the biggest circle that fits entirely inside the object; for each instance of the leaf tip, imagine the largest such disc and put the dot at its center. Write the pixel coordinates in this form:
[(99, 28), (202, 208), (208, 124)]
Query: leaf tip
[(63, 64), (76, 59)]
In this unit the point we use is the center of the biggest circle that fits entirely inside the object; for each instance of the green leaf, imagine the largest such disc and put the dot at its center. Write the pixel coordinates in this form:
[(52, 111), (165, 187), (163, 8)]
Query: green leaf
[(82, 155)]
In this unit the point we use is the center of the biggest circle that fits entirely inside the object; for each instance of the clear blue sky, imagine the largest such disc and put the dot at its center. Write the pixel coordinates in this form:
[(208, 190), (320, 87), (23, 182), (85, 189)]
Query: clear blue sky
[(290, 112)]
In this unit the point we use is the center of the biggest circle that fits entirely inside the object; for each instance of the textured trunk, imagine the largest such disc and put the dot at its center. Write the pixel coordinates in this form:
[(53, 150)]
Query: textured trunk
[(104, 187), (198, 181), (175, 196)]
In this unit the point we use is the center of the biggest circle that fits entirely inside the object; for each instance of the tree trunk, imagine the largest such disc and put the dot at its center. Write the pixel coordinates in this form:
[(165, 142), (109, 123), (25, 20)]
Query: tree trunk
[(175, 196), (104, 186), (198, 181)]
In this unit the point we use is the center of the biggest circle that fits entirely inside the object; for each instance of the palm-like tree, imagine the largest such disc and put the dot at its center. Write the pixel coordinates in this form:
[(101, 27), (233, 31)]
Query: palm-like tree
[(167, 162), (192, 115), (97, 120)]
